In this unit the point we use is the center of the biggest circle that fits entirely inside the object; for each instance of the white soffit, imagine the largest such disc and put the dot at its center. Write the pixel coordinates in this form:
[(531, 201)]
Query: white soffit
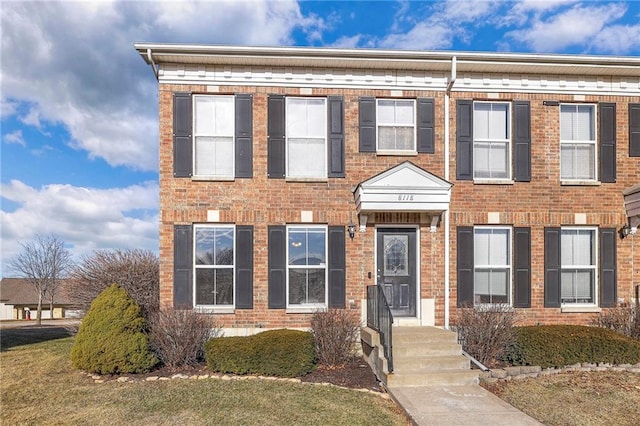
[(403, 188)]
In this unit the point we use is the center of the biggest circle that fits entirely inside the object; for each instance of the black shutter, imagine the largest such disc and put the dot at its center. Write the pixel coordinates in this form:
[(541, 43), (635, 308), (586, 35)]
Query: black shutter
[(465, 266), (522, 267), (607, 138), (275, 132), (337, 265), (277, 267), (244, 136), (426, 119), (464, 140), (182, 142), (244, 267), (522, 141), (608, 292), (182, 267), (367, 113), (634, 130), (552, 267), (336, 137)]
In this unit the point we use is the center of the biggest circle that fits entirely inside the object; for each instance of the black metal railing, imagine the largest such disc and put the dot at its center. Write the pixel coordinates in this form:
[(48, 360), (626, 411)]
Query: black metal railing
[(380, 319)]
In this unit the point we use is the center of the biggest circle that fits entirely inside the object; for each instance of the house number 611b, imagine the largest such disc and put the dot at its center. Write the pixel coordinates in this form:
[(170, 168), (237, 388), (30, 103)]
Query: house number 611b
[(405, 197)]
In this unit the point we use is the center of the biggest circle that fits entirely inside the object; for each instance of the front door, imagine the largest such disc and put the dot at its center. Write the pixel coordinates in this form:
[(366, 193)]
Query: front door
[(396, 264)]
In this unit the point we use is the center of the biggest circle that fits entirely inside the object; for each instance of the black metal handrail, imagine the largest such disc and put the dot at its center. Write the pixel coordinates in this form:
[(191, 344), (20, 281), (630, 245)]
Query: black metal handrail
[(380, 319)]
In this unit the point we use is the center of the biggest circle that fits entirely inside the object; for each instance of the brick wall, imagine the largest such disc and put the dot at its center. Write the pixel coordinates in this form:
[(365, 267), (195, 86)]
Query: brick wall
[(261, 201)]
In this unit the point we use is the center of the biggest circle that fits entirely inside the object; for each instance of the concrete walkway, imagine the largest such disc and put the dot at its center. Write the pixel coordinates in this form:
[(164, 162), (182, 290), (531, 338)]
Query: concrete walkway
[(457, 405)]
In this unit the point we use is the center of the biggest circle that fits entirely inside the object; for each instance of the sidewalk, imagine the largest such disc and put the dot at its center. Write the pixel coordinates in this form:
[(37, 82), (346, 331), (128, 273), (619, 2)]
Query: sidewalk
[(457, 405)]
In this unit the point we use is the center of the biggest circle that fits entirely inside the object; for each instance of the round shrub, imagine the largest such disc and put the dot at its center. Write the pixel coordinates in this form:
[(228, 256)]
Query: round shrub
[(561, 345), (282, 353), (112, 337)]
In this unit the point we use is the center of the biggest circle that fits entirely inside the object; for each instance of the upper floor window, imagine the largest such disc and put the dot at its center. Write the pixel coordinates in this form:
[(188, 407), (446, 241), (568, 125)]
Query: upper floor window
[(577, 142), (491, 140), (396, 125), (213, 136), (492, 265), (306, 135), (214, 260)]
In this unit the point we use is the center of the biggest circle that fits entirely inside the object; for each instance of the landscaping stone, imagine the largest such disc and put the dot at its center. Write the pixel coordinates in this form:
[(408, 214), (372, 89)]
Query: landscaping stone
[(152, 378), (499, 374), (513, 371), (528, 369), (123, 379)]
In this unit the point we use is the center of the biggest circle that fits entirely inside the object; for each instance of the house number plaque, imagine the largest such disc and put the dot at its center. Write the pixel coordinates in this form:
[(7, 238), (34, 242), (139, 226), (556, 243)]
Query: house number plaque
[(405, 197)]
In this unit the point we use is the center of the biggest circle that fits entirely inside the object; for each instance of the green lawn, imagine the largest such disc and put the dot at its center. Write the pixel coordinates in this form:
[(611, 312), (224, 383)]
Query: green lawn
[(39, 386)]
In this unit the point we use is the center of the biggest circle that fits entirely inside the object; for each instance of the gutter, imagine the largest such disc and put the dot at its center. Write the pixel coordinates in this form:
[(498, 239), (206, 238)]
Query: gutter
[(154, 67), (447, 232)]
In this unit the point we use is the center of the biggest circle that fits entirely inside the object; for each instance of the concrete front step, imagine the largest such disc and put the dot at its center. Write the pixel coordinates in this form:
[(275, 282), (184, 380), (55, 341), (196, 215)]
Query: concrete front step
[(433, 378), (403, 349), (404, 364), (416, 335)]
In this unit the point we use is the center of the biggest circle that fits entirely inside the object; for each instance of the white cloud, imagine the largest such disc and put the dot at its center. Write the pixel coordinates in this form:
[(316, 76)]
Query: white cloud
[(84, 218), (82, 71), (15, 138), (618, 39), (576, 26)]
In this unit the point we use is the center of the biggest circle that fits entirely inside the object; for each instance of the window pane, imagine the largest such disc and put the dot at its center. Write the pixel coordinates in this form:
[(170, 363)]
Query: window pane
[(386, 137), (224, 246), (481, 120), (585, 161), (567, 125), (306, 118), (404, 138), (499, 282), (566, 162), (205, 286), (317, 250), (224, 286), (223, 157), (204, 246), (400, 138), (307, 246), (481, 282), (404, 112), (204, 115), (481, 246), (499, 161), (499, 121), (577, 247), (214, 115), (585, 123), (306, 157), (386, 112), (306, 286), (481, 160), (577, 286), (396, 256), (204, 155), (499, 247)]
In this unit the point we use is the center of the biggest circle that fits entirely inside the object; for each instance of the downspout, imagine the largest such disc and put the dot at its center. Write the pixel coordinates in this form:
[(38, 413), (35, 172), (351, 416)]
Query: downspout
[(447, 244), (153, 64)]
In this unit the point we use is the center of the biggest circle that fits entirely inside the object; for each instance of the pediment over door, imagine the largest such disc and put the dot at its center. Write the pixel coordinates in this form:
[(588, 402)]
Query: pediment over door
[(403, 188), (632, 205)]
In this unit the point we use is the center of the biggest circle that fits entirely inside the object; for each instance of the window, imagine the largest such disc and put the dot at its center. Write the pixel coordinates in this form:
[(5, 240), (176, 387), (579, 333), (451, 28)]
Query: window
[(396, 125), (577, 142), (214, 260), (306, 134), (213, 136), (578, 265), (491, 140), (306, 265), (492, 265)]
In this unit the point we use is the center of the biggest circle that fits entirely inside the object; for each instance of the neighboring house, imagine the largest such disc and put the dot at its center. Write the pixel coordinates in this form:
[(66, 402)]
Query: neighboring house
[(17, 297), (469, 179)]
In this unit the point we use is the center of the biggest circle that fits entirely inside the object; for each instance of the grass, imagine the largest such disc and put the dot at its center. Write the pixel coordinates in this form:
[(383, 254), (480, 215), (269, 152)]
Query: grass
[(576, 398), (39, 386)]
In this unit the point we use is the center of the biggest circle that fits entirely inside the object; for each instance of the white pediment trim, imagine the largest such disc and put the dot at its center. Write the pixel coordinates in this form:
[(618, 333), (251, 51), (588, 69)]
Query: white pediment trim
[(403, 188), (632, 204)]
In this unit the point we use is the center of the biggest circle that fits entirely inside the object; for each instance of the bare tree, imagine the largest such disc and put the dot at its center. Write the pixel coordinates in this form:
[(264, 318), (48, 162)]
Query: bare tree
[(137, 271), (42, 263)]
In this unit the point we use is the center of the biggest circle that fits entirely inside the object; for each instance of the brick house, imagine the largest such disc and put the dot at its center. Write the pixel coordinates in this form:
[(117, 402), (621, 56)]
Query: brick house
[(291, 179)]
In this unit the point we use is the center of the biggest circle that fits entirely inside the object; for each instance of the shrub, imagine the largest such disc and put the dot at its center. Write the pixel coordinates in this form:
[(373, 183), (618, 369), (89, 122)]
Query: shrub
[(623, 319), (486, 331), (561, 345), (335, 332), (283, 353), (112, 337), (178, 335)]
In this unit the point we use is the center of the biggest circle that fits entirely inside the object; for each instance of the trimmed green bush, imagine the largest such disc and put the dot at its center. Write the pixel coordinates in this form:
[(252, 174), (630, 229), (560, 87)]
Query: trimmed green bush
[(112, 337), (282, 353), (561, 345)]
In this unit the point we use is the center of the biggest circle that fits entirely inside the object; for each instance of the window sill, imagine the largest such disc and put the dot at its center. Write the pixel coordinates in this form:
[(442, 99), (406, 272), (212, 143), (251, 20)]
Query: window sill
[(493, 182), (309, 179), (305, 309), (215, 310), (390, 152), (579, 183), (580, 309), (213, 178)]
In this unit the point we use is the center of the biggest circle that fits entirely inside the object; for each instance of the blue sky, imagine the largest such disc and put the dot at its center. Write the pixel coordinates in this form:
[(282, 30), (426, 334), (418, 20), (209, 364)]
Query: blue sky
[(79, 125)]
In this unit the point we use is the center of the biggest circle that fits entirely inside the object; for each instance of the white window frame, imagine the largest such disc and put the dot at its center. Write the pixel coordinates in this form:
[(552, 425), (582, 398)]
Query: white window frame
[(380, 123), (490, 267), (312, 306), (507, 141), (288, 136), (593, 143), (594, 267), (195, 266), (213, 135)]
